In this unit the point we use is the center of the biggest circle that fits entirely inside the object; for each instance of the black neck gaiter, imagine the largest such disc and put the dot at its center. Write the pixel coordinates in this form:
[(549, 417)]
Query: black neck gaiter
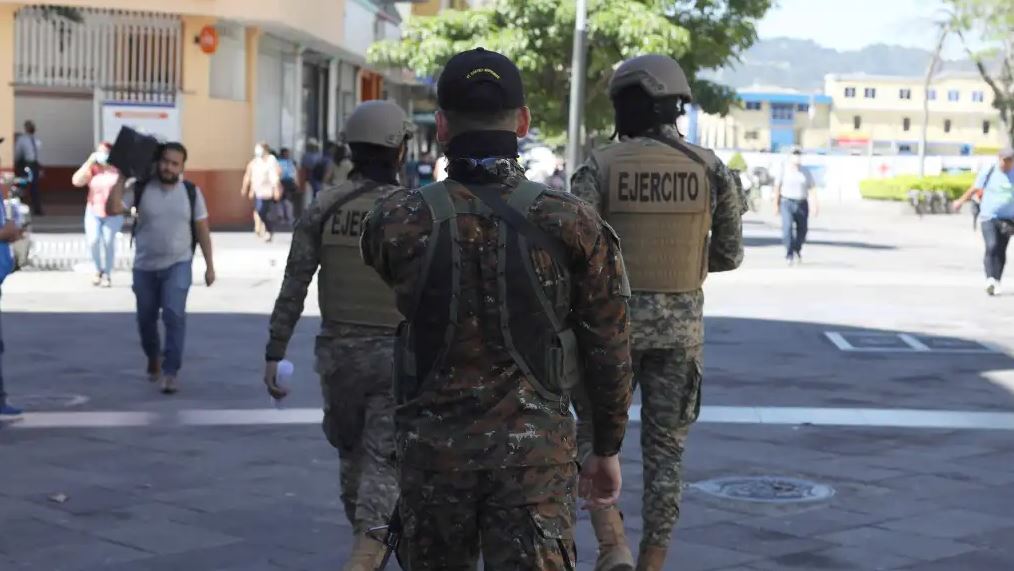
[(483, 144)]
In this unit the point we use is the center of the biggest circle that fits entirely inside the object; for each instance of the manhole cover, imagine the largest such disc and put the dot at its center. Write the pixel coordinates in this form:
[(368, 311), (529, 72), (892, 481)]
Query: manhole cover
[(767, 489), (40, 402)]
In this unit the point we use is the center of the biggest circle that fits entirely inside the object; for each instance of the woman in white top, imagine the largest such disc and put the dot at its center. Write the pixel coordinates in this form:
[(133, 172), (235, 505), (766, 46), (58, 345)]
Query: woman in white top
[(262, 183)]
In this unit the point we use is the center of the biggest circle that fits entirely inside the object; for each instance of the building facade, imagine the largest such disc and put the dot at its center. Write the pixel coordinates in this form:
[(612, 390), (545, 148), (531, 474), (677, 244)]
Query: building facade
[(884, 114), (218, 75), (768, 119)]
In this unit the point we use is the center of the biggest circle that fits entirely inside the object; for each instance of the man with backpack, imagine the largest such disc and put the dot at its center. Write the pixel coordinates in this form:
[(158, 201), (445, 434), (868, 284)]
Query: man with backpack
[(171, 220), (9, 232)]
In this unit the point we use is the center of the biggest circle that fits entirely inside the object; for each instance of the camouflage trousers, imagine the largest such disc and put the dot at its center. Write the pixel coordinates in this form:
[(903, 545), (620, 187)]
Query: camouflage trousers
[(355, 375), (523, 518), (670, 381)]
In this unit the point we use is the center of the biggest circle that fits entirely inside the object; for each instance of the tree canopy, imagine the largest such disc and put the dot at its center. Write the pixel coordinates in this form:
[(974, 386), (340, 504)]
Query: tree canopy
[(993, 20), (538, 35)]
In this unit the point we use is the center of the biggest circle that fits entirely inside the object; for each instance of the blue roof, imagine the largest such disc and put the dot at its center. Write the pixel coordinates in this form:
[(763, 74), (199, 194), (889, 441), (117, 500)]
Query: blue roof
[(774, 97)]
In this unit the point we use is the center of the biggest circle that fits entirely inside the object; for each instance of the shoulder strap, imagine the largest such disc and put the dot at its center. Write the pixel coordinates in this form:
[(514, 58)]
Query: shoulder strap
[(343, 200), (989, 175), (679, 146), (518, 220), (139, 186), (437, 197), (192, 197)]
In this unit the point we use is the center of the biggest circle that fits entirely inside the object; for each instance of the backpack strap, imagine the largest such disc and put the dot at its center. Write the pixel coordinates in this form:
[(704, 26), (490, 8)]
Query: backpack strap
[(989, 175), (139, 186), (192, 197), (438, 199)]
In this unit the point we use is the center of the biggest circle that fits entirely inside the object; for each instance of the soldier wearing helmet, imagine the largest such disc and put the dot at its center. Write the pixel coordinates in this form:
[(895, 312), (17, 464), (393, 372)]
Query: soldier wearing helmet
[(358, 316), (678, 210)]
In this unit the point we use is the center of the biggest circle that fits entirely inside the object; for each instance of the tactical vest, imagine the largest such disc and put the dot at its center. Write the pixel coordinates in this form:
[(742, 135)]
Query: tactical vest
[(536, 327), (658, 198), (348, 290)]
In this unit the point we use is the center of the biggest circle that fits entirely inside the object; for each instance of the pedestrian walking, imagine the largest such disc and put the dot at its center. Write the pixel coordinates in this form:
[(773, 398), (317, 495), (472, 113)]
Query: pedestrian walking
[(172, 219), (262, 184), (795, 194), (10, 232), (508, 288), (995, 184), (655, 188), (338, 165), (101, 229), (27, 163), (425, 169), (354, 350), (290, 185), (313, 167)]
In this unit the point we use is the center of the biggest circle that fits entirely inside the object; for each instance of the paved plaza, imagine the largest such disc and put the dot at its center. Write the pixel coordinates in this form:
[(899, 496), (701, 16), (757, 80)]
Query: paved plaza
[(871, 389)]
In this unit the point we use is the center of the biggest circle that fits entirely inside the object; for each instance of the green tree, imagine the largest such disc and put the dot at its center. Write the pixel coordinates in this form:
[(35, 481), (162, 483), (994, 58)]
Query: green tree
[(538, 36), (994, 21)]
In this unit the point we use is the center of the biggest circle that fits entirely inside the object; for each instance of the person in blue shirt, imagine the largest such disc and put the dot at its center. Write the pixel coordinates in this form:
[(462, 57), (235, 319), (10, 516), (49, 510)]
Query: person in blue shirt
[(996, 214), (290, 183), (9, 232)]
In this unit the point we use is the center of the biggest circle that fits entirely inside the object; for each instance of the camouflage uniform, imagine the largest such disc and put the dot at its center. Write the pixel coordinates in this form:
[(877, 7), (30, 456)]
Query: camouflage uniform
[(354, 364), (667, 337), (485, 460)]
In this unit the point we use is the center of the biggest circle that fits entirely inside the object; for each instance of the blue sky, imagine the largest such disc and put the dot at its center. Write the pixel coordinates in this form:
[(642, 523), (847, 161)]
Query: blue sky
[(852, 24)]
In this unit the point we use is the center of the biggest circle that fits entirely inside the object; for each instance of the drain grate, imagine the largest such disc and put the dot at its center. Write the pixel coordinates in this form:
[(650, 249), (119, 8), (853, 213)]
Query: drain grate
[(766, 489), (51, 401)]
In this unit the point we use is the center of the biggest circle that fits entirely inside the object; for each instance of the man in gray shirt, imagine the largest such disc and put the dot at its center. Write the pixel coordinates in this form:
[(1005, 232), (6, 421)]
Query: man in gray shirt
[(26, 156), (172, 219)]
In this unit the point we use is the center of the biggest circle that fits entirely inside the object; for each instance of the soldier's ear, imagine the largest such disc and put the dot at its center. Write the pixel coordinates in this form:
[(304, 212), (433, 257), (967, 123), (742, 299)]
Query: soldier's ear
[(443, 128), (524, 122)]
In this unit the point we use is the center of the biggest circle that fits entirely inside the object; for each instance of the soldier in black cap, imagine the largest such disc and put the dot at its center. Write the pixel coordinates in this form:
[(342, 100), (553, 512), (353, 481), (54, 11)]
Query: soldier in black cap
[(511, 292)]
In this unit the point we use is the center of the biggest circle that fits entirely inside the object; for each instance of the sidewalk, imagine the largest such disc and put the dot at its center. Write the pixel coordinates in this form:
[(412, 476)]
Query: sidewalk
[(161, 485)]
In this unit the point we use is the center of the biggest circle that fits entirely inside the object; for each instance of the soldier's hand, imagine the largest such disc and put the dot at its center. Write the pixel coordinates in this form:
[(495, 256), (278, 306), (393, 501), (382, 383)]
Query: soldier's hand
[(271, 381), (600, 481)]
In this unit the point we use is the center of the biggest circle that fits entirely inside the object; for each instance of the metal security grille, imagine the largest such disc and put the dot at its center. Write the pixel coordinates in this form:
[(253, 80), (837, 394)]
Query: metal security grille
[(133, 56)]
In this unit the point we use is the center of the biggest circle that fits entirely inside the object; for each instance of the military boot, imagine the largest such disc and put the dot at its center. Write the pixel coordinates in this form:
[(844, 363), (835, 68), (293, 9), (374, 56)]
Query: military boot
[(652, 558), (366, 555), (614, 554)]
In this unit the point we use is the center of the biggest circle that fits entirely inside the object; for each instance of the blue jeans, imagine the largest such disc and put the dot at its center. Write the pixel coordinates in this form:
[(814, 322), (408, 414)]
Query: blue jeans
[(101, 235), (166, 291), (795, 217), (996, 249)]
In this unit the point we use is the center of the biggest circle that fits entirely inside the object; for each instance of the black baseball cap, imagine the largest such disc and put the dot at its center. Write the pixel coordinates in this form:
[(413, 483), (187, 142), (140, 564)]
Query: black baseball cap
[(480, 81)]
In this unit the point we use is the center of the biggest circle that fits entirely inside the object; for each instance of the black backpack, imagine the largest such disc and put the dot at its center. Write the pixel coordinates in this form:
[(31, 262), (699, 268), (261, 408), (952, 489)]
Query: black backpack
[(139, 187)]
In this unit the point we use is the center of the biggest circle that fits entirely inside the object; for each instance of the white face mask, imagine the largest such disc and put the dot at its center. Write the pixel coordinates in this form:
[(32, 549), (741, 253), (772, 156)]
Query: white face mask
[(102, 157), (258, 152)]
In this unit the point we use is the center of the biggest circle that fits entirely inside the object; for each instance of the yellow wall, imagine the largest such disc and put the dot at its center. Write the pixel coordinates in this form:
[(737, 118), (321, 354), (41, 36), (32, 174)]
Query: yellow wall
[(883, 116), (321, 18), (7, 126), (217, 132), (432, 7)]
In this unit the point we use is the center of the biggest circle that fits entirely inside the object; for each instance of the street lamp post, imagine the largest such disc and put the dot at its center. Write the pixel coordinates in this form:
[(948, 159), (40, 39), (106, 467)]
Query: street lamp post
[(578, 75)]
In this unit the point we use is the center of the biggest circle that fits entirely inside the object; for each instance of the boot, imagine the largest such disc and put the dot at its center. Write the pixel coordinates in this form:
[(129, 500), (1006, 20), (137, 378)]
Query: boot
[(614, 554), (652, 558), (366, 555)]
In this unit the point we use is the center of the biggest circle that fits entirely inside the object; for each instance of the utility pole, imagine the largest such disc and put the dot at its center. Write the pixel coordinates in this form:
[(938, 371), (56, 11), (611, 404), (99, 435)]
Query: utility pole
[(944, 30), (578, 75)]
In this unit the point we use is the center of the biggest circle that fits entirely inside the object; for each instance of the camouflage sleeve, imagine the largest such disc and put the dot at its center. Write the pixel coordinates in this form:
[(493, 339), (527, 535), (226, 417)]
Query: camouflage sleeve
[(393, 241), (304, 258), (584, 184), (726, 250), (600, 308)]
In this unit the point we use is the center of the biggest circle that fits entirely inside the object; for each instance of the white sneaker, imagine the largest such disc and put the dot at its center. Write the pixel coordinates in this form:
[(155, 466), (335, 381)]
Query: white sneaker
[(992, 286)]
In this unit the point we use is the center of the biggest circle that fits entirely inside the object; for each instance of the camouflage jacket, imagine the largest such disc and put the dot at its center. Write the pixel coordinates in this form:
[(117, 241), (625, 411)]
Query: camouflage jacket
[(303, 262), (480, 411), (670, 320)]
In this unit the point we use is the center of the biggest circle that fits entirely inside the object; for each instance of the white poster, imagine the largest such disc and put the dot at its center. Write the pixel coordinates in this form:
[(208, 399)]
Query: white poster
[(159, 120)]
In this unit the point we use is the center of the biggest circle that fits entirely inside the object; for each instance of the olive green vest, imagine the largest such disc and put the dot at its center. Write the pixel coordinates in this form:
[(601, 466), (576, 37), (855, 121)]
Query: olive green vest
[(658, 199), (348, 290)]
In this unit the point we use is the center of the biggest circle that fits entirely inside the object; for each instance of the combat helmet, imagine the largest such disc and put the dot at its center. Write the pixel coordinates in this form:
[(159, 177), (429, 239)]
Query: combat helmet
[(380, 123), (658, 75)]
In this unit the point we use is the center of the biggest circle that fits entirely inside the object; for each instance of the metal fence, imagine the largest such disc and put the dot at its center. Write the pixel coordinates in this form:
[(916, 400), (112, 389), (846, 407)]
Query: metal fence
[(64, 253), (133, 56)]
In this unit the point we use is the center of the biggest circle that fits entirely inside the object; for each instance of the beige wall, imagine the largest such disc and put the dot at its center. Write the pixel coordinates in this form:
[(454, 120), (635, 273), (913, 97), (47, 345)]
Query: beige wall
[(320, 18), (7, 126)]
